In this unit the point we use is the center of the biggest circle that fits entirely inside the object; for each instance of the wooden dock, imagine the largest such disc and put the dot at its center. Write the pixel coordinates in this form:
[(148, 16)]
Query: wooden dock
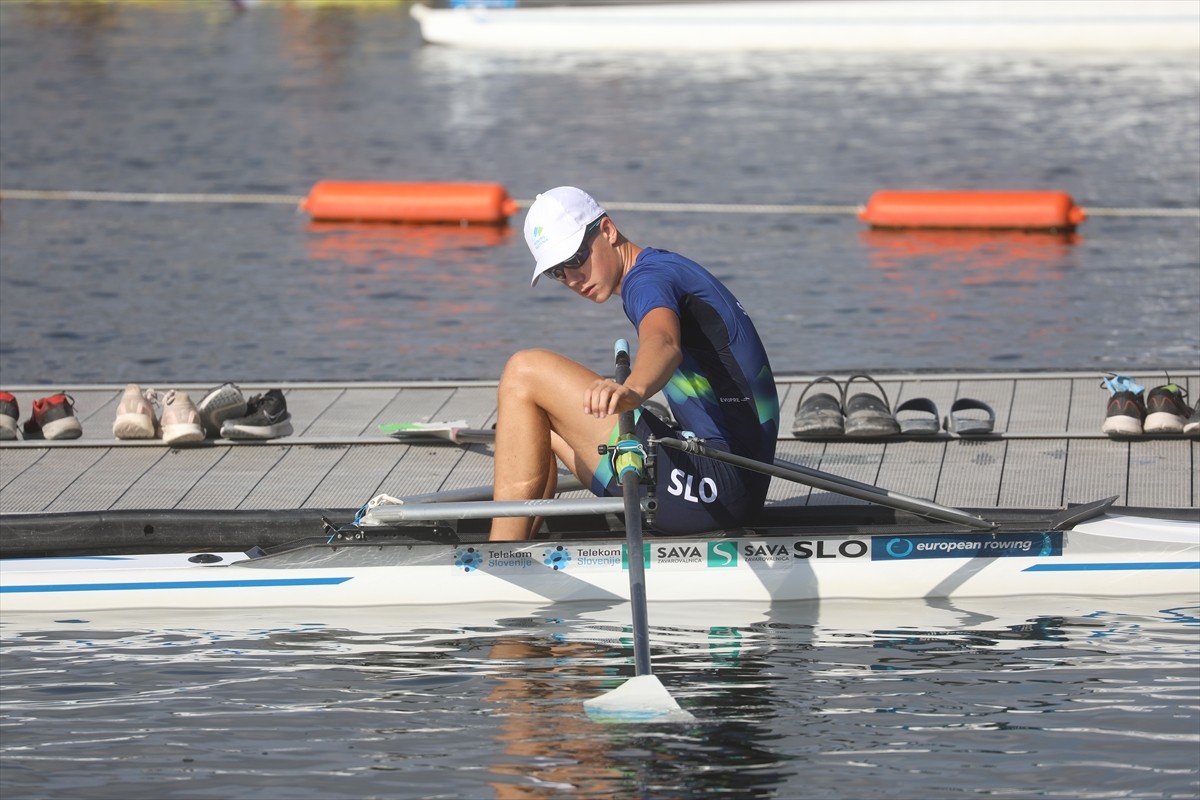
[(1048, 452)]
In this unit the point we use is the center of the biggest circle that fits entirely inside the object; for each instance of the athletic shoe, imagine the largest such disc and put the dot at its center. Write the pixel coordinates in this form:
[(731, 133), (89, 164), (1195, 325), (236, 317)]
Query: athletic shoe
[(1192, 427), (53, 418), (9, 414), (222, 403), (180, 419), (135, 414), (1125, 409), (266, 417), (1166, 411)]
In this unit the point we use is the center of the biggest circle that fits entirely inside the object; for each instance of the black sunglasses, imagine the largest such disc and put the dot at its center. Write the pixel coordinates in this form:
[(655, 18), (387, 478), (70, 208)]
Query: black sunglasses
[(559, 270)]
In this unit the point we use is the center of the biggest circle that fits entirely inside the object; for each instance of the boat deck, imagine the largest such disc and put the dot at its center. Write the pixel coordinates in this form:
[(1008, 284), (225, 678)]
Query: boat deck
[(1047, 452)]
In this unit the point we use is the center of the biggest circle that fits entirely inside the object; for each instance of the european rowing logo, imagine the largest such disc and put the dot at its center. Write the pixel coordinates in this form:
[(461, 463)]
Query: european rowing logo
[(968, 545)]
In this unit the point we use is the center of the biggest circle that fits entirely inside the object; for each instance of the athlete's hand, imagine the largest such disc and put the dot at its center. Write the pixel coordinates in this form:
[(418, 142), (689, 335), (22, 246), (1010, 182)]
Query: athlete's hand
[(606, 397)]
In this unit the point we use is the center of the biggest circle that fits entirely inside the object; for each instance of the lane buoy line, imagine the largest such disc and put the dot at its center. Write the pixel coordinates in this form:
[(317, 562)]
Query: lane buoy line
[(701, 208)]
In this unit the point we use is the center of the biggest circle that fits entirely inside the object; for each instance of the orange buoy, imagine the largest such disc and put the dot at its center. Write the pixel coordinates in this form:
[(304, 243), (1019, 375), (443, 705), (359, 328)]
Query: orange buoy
[(1031, 210), (409, 202)]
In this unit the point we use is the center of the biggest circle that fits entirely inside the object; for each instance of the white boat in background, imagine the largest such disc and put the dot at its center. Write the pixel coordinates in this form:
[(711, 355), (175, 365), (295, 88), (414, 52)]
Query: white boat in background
[(1083, 551), (876, 26)]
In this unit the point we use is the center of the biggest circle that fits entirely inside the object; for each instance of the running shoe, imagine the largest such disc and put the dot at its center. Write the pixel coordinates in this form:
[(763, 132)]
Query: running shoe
[(266, 417), (180, 419), (1166, 410), (1125, 411), (1192, 426), (222, 403), (135, 414), (53, 418), (10, 412)]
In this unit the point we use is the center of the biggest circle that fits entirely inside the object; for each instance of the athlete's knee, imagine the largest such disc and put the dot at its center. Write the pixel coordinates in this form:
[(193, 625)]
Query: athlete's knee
[(525, 369)]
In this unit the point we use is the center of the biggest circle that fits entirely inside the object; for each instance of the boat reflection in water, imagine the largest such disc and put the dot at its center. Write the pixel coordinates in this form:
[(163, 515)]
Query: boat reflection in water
[(489, 698)]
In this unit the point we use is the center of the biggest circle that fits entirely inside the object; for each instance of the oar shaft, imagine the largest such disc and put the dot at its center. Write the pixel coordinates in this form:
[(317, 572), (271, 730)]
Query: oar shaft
[(835, 483), (566, 483), (393, 514), (637, 575), (631, 488)]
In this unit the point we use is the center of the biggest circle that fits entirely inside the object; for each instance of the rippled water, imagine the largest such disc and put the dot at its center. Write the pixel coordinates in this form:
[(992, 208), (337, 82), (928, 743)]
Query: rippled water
[(1047, 697), (1044, 697), (193, 98)]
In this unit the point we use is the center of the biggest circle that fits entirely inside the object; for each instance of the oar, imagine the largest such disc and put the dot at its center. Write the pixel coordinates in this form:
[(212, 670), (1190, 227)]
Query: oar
[(642, 698), (834, 483), (779, 468), (456, 431)]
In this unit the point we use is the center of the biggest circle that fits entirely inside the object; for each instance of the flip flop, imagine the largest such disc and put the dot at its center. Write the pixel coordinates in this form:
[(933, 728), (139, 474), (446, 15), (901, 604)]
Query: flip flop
[(866, 414), (924, 421), (820, 416), (969, 424)]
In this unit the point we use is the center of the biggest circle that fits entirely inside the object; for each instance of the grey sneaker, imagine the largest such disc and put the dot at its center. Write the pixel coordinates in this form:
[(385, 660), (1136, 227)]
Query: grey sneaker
[(1192, 426), (1166, 409), (222, 403), (10, 412), (180, 420), (53, 418), (266, 417)]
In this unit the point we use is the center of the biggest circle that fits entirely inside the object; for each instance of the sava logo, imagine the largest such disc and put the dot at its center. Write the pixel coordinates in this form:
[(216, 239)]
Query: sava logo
[(722, 554), (766, 552), (686, 486), (678, 554)]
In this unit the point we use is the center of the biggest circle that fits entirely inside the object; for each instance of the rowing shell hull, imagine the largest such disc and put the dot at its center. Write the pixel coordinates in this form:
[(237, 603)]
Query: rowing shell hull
[(1112, 556), (878, 26)]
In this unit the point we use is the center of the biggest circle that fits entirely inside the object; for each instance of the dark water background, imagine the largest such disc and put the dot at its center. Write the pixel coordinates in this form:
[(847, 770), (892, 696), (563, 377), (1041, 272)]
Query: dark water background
[(191, 97), (1050, 697)]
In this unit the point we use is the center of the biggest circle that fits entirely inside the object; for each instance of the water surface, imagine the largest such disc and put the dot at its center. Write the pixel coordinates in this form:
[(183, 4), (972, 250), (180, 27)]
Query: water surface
[(193, 98)]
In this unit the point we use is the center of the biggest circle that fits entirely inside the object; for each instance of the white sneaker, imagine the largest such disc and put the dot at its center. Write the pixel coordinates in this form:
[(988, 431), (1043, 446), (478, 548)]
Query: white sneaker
[(135, 414), (180, 419)]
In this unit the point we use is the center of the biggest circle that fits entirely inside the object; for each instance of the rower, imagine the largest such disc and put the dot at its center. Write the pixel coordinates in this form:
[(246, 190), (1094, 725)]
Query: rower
[(697, 345)]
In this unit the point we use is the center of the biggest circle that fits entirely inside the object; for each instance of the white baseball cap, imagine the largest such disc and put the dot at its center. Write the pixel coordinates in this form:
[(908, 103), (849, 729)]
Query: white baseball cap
[(555, 225)]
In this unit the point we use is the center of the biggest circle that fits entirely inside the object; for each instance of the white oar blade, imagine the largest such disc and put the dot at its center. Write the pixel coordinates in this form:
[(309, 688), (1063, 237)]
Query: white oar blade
[(640, 699), (423, 431), (430, 432)]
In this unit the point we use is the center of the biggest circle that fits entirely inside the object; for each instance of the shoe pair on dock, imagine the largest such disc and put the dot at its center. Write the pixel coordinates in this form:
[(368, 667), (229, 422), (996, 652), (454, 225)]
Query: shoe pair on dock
[(1132, 411), (868, 414), (222, 413), (53, 417)]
